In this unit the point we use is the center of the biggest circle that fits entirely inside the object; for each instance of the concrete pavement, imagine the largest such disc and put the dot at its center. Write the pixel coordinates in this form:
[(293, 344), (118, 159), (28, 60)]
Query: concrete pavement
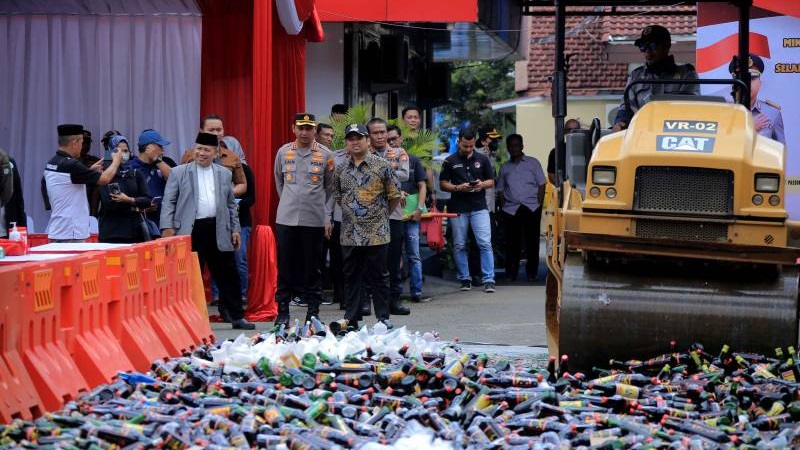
[(512, 316)]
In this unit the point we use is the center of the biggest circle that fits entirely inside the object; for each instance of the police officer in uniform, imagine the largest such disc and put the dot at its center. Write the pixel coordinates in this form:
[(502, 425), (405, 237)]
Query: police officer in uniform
[(304, 183), (398, 159), (655, 43), (766, 114), (65, 179)]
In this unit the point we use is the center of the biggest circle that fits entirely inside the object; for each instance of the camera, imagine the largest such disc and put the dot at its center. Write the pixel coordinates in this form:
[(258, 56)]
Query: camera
[(114, 189)]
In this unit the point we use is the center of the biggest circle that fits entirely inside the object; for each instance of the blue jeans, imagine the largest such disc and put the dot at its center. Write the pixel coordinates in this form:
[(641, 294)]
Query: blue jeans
[(482, 228), (414, 261), (241, 265)]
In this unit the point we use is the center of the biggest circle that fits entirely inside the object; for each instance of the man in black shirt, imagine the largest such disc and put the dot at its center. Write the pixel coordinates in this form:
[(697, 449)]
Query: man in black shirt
[(466, 174)]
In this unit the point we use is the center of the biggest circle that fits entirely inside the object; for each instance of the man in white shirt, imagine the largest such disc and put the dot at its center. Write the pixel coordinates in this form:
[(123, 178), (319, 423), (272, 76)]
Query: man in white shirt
[(198, 201)]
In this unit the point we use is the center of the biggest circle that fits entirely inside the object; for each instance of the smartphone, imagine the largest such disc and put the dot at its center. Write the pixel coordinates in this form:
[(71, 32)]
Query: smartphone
[(107, 156), (114, 189), (473, 182), (156, 201)]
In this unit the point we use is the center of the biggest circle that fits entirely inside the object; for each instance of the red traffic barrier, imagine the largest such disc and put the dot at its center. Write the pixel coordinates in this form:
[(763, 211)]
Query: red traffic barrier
[(54, 373), (88, 311), (18, 397), (135, 332)]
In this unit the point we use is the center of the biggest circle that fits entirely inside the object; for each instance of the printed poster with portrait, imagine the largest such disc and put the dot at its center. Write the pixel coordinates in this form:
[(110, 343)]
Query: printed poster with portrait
[(775, 40)]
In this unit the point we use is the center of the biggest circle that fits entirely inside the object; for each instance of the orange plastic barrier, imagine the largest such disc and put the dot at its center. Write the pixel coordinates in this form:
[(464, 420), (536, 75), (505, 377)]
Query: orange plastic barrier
[(263, 262), (198, 292), (134, 332), (159, 297), (54, 373), (87, 314), (18, 397), (180, 263)]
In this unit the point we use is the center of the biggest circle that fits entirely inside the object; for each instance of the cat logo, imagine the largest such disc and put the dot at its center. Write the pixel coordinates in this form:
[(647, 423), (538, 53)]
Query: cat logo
[(671, 143)]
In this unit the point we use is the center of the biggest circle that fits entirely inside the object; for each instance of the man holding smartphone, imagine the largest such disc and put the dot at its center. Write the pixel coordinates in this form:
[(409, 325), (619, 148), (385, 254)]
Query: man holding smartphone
[(466, 174), (65, 179)]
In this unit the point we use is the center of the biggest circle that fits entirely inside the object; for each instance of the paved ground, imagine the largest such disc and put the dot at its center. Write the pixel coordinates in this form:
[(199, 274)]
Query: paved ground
[(512, 316)]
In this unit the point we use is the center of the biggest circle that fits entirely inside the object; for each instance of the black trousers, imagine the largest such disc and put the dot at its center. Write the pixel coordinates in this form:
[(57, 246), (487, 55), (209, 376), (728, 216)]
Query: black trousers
[(395, 254), (522, 226), (336, 267), (299, 260), (222, 266), (365, 266)]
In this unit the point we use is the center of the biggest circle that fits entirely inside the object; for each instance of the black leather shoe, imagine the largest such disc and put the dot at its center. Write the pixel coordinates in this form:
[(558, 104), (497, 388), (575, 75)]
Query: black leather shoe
[(243, 324), (399, 309), (366, 311), (282, 319), (388, 323)]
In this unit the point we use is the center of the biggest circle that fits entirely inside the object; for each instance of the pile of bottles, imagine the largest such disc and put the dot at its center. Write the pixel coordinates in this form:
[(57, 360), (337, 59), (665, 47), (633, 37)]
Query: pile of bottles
[(290, 390)]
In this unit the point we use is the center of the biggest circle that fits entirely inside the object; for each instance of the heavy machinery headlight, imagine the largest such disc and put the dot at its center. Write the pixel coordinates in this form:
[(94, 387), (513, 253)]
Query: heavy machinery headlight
[(767, 182), (774, 200), (604, 176), (594, 191), (611, 193), (758, 199)]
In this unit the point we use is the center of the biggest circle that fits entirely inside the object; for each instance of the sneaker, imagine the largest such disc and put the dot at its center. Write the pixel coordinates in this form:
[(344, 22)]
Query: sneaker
[(420, 299), (466, 285), (326, 301), (488, 288), (297, 301), (388, 323)]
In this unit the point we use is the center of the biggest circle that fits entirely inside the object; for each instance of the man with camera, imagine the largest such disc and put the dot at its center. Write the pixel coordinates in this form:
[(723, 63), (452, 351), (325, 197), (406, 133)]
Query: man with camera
[(66, 178), (466, 174)]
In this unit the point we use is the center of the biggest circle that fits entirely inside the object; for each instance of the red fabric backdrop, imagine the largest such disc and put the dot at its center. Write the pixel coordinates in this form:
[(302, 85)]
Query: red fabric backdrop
[(253, 75), (226, 79)]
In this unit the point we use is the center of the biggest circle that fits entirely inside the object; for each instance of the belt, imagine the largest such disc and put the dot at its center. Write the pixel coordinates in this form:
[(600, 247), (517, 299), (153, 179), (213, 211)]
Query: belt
[(205, 221)]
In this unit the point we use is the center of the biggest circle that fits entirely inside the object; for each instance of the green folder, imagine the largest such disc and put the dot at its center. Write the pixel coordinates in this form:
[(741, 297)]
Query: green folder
[(411, 205)]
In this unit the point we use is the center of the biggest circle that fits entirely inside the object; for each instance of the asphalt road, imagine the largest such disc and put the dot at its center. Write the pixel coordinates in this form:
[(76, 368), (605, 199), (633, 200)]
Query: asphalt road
[(512, 316)]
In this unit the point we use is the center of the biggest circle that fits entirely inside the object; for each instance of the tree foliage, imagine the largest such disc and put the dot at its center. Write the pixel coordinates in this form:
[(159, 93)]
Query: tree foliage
[(420, 144), (473, 85)]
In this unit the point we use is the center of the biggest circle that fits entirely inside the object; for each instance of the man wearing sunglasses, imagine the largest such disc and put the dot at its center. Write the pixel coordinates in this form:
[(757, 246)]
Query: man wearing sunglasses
[(655, 43)]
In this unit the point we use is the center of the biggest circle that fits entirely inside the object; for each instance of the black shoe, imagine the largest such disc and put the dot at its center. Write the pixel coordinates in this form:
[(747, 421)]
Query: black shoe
[(388, 323), (466, 285), (326, 301), (297, 301), (243, 324), (366, 311), (352, 325), (224, 314), (309, 315), (420, 299), (488, 288), (399, 309), (282, 319)]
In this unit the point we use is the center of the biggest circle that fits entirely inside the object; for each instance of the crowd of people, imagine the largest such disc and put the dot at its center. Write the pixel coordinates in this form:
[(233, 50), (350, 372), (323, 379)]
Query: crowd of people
[(353, 213)]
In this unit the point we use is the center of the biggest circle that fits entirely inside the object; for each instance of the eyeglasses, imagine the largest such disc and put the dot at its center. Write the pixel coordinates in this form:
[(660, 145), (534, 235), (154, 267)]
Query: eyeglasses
[(392, 139), (652, 46)]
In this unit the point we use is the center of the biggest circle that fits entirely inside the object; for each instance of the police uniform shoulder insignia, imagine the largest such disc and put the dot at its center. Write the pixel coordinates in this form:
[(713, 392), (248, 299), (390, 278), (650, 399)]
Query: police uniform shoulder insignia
[(403, 155), (330, 164), (773, 104)]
